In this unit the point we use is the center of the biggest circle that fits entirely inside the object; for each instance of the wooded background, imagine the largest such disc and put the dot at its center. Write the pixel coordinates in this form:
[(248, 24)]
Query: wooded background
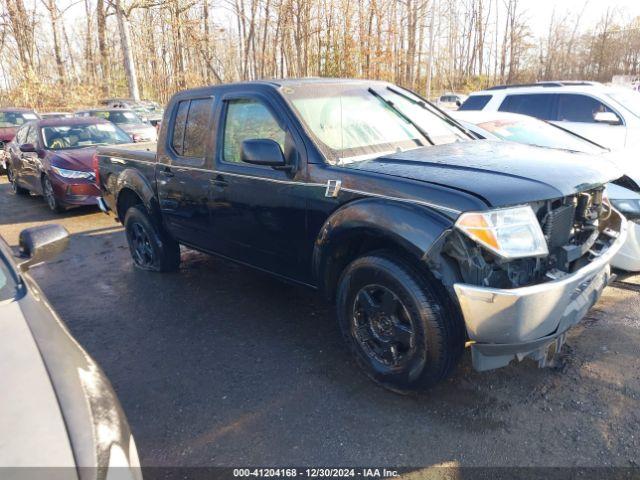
[(67, 53)]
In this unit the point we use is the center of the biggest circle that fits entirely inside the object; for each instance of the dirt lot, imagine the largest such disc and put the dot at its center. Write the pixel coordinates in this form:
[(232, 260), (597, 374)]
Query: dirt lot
[(221, 365)]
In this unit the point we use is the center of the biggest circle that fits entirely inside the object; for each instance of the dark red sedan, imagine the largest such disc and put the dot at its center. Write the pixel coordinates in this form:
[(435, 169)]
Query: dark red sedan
[(10, 121), (53, 158)]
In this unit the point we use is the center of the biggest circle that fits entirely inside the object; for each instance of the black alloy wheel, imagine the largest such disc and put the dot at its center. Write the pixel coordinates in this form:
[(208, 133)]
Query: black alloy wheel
[(382, 326), (150, 246), (143, 253)]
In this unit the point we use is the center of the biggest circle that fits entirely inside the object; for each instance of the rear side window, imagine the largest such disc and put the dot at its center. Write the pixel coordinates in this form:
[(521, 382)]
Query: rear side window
[(195, 134), (579, 108), (177, 138), (534, 105), (191, 126), (475, 102)]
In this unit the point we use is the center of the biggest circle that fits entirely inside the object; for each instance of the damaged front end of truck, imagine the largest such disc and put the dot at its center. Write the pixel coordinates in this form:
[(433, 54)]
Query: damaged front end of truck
[(524, 275)]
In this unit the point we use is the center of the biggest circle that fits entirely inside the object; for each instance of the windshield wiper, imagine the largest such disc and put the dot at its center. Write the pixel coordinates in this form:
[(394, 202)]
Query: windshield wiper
[(393, 107), (430, 107)]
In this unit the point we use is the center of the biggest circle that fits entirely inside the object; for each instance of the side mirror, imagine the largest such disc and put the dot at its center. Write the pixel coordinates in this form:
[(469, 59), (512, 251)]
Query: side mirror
[(606, 117), (458, 103), (27, 147), (39, 244), (262, 151), (136, 138)]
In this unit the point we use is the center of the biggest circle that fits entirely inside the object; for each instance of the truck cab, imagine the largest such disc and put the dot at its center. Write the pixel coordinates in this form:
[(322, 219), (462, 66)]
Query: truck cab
[(426, 239)]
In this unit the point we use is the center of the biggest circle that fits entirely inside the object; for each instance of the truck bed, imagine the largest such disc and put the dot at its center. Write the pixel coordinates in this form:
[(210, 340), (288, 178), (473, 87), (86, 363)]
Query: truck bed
[(131, 151)]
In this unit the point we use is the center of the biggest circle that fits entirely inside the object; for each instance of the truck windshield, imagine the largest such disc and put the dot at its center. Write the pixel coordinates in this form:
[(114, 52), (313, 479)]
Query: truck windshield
[(353, 122), (65, 137), (119, 116)]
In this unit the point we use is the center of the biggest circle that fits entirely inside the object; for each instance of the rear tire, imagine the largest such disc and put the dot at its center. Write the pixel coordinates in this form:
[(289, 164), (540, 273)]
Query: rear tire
[(151, 248), (15, 188), (401, 326)]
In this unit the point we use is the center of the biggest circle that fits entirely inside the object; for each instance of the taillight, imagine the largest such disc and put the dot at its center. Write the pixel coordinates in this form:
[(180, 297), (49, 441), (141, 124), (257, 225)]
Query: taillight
[(96, 169)]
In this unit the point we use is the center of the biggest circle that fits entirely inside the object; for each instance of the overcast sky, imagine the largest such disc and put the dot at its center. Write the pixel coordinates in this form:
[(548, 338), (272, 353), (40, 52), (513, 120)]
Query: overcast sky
[(539, 11)]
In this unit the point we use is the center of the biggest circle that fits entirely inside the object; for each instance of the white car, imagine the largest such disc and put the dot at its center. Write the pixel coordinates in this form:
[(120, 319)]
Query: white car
[(528, 130), (607, 115), (57, 408), (450, 101)]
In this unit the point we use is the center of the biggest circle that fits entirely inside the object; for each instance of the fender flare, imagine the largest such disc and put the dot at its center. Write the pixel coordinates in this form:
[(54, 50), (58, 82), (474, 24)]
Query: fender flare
[(135, 181), (414, 228)]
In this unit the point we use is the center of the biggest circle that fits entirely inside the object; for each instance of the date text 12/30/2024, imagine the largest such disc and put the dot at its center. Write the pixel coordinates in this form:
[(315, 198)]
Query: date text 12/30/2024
[(292, 472)]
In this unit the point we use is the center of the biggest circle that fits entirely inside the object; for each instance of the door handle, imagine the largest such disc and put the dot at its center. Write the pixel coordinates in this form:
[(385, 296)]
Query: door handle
[(166, 171), (219, 181)]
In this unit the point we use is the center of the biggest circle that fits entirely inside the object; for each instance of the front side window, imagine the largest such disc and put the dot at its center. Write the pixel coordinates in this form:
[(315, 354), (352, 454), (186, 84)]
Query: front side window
[(535, 105), (249, 119), (65, 137), (579, 108), (191, 127), (352, 122)]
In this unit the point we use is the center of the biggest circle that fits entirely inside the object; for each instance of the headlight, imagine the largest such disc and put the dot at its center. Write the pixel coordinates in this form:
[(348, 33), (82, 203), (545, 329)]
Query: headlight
[(629, 208), (63, 172), (508, 232)]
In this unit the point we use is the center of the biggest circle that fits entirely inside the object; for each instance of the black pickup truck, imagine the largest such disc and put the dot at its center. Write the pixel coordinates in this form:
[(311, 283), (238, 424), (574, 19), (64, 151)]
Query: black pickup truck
[(426, 238)]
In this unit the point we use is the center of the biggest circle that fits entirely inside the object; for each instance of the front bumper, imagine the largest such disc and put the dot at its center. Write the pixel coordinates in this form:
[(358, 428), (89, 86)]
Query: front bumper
[(504, 324), (628, 258), (75, 193)]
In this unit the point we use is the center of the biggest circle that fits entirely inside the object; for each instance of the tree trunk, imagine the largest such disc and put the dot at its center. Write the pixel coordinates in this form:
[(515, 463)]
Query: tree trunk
[(125, 40)]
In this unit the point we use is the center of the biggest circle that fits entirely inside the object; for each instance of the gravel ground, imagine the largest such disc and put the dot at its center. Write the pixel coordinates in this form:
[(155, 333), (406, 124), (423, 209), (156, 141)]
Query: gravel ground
[(221, 365)]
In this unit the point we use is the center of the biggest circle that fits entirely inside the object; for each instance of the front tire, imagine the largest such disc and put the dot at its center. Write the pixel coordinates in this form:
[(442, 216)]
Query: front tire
[(402, 328), (50, 196), (151, 248)]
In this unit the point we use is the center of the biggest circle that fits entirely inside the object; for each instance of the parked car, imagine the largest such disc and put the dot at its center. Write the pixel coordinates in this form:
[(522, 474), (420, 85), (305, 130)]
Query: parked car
[(522, 129), (53, 158), (607, 115), (424, 238), (147, 110), (128, 120), (57, 408), (10, 120), (450, 101), (56, 115)]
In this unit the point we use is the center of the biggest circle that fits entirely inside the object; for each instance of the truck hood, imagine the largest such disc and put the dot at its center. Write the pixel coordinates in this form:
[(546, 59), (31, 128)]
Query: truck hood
[(500, 173)]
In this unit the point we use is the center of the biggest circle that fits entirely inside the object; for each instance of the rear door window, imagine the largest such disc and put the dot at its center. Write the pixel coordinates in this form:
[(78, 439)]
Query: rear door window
[(475, 102), (191, 127), (579, 108), (535, 105)]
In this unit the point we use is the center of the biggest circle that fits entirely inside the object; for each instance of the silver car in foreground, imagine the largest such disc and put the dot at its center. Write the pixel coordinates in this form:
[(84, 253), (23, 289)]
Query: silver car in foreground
[(57, 408)]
